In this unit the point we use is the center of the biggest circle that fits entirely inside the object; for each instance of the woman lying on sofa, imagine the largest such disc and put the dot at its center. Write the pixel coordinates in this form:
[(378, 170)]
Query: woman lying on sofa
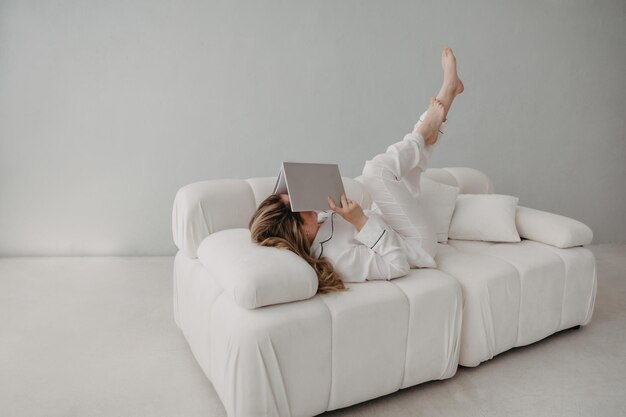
[(350, 244)]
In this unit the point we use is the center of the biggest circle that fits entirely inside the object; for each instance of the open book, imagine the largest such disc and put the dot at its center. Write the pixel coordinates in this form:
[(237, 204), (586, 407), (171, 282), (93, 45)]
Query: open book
[(308, 185)]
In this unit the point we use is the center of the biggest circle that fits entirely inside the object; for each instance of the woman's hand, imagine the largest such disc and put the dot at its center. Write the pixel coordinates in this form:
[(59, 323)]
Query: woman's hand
[(349, 210)]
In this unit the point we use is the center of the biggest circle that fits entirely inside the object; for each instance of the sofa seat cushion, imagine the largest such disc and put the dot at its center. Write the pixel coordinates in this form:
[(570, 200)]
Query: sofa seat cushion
[(580, 282), (409, 322), (580, 286), (491, 300), (326, 352), (517, 293), (435, 309), (274, 361)]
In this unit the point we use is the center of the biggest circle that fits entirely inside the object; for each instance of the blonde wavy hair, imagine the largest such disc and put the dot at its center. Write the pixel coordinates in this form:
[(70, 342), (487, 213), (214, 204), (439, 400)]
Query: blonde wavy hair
[(274, 224)]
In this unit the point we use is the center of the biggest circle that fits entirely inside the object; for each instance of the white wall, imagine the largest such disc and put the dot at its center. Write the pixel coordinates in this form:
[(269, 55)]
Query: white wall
[(108, 107)]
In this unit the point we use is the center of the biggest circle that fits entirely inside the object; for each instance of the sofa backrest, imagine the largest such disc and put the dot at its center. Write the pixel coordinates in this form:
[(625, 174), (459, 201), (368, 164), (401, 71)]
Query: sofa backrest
[(206, 207)]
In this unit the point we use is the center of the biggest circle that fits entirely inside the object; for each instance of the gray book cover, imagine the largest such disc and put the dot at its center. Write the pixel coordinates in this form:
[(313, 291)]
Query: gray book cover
[(308, 185)]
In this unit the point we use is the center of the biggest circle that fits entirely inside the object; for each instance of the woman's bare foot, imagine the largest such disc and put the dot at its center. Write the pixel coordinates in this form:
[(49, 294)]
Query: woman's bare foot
[(429, 128), (452, 84), (451, 80)]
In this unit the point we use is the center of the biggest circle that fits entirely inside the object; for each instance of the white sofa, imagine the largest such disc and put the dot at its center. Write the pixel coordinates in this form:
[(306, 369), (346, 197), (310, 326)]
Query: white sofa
[(305, 357)]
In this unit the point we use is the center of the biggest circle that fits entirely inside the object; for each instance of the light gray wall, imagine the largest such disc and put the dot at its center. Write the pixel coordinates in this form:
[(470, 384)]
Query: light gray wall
[(108, 107)]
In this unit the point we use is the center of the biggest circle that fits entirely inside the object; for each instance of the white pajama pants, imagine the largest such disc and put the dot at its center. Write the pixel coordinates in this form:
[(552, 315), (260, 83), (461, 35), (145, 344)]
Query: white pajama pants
[(393, 181)]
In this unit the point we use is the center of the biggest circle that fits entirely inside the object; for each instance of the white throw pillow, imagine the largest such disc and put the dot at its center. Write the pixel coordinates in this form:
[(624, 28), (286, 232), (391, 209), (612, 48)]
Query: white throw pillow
[(439, 200), (255, 275), (487, 217)]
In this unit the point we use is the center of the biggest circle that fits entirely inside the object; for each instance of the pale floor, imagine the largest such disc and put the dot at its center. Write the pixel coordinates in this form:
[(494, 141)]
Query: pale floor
[(96, 337)]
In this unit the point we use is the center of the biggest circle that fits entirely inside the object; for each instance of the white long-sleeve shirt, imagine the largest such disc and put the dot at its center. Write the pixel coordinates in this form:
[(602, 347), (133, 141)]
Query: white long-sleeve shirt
[(375, 252), (378, 251)]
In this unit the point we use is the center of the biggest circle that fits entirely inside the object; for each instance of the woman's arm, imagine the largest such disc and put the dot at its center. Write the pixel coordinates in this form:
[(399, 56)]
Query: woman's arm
[(380, 254)]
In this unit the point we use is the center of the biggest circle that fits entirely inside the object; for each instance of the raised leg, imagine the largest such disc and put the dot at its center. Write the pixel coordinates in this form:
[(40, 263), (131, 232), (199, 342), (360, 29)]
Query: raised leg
[(392, 179)]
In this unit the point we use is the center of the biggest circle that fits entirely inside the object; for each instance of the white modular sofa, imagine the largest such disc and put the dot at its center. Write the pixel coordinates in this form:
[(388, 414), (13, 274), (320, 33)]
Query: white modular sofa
[(329, 351)]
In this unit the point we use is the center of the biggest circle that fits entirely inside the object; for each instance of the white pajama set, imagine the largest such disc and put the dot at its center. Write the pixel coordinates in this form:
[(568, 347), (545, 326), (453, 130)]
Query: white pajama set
[(389, 244)]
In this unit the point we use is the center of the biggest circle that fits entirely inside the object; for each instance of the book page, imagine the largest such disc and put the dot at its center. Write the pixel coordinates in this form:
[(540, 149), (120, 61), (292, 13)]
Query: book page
[(281, 183)]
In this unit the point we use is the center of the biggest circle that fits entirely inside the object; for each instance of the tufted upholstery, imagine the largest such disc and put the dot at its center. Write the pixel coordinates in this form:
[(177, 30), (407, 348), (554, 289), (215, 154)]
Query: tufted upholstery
[(206, 207), (334, 350)]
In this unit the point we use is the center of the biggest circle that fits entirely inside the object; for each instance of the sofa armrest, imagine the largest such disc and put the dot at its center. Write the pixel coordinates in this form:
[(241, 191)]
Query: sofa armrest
[(552, 229), (206, 207)]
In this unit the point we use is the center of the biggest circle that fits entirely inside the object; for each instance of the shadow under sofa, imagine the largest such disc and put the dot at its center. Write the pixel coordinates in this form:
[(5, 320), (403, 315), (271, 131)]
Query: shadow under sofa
[(305, 357)]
